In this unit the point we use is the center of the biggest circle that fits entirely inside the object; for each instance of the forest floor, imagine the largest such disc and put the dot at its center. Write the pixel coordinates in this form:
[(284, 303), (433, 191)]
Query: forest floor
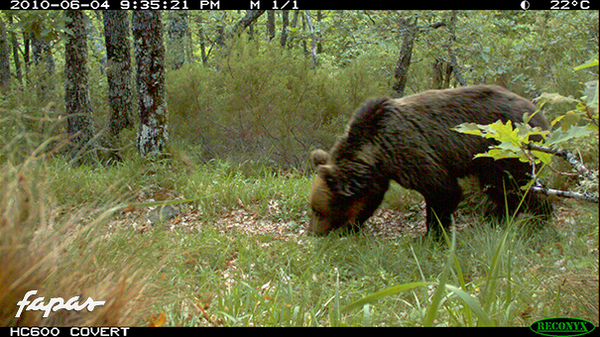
[(387, 222), (569, 288), (236, 252)]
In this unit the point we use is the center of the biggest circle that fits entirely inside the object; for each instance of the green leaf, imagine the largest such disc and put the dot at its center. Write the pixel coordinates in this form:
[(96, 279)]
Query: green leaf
[(472, 304), (554, 98), (383, 293), (544, 157), (560, 135), (591, 95), (504, 132), (590, 64), (469, 129), (569, 119)]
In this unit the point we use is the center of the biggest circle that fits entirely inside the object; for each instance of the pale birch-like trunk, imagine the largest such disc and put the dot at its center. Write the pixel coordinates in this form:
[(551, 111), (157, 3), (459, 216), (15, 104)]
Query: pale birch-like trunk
[(150, 59)]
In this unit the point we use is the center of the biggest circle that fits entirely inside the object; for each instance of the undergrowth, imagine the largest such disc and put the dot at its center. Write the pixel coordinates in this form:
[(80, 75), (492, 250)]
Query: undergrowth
[(212, 274)]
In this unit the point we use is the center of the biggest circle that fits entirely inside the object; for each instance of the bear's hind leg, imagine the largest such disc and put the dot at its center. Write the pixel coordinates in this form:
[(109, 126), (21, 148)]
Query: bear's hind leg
[(504, 189)]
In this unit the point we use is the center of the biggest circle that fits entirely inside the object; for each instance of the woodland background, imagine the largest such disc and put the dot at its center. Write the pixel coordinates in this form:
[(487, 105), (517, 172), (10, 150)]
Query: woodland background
[(273, 85)]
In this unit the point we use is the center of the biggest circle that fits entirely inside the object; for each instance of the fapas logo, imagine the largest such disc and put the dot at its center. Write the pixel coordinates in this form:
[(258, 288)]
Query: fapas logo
[(54, 304), (562, 326)]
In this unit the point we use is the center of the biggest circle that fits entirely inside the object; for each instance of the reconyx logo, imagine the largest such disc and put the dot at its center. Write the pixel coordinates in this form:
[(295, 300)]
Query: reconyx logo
[(562, 326)]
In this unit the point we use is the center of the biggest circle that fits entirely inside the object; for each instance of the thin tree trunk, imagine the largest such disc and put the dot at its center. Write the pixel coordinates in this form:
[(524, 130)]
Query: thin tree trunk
[(201, 40), (401, 71), (320, 16), (42, 56), (293, 24), (246, 21), (16, 57), (118, 72), (285, 21), (150, 59), (77, 96), (4, 56), (178, 37), (313, 39), (270, 25), (453, 62)]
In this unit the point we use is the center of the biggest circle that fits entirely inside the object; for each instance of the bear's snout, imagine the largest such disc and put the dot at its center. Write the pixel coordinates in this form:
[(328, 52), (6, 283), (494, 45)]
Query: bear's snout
[(318, 226)]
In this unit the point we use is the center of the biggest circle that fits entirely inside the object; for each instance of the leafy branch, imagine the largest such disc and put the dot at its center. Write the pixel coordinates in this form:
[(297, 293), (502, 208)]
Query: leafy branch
[(513, 142), (536, 146)]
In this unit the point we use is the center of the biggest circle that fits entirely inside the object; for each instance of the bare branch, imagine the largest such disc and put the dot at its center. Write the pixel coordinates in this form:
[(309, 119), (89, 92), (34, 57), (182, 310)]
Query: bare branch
[(571, 159), (566, 194), (566, 155)]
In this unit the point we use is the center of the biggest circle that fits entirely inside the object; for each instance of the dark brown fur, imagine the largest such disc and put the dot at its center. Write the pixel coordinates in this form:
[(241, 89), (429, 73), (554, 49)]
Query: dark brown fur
[(410, 141)]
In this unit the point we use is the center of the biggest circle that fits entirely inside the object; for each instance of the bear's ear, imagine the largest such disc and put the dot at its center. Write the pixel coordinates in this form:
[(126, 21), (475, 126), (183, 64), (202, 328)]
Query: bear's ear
[(319, 157), (326, 172)]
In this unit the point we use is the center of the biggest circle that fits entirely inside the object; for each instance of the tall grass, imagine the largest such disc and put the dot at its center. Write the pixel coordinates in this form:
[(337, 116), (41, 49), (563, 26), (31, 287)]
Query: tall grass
[(57, 250)]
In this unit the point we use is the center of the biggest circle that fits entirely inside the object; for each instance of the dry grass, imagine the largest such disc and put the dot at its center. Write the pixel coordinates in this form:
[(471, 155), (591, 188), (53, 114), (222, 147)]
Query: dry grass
[(54, 254)]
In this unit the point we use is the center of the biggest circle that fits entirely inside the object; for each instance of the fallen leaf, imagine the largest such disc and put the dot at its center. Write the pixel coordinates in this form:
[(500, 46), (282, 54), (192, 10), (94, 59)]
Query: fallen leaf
[(203, 309), (158, 321), (526, 314)]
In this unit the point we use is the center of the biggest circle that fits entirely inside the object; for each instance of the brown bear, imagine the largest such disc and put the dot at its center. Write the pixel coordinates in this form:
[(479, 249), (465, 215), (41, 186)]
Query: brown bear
[(410, 140)]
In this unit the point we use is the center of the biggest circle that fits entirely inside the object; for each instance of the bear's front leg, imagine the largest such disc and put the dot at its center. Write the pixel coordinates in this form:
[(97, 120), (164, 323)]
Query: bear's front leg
[(441, 202)]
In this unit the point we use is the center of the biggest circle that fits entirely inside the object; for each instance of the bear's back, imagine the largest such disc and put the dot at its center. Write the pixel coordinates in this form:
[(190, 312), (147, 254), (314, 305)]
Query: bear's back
[(481, 104)]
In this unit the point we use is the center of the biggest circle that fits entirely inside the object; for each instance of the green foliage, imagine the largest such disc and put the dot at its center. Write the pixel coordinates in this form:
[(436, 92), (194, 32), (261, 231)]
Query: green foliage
[(525, 51), (265, 102), (578, 126), (252, 98), (511, 140)]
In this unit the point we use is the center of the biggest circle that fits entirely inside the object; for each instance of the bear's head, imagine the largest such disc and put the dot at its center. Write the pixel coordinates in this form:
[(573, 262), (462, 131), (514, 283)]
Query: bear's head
[(342, 194)]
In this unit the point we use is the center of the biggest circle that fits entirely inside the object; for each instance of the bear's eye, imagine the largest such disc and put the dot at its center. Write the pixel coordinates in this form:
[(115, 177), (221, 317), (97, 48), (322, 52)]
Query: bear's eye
[(317, 212)]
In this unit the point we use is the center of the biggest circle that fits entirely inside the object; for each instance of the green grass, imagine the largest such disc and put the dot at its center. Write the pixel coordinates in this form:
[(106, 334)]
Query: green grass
[(211, 276)]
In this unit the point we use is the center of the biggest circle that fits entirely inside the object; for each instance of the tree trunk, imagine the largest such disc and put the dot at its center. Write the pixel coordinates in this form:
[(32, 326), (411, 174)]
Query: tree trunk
[(150, 58), (401, 72), (15, 50), (442, 72), (247, 20), (313, 39), (77, 96), (285, 21), (118, 72), (270, 25), (453, 62), (42, 57), (320, 16), (178, 38), (201, 40), (4, 56), (293, 25), (26, 51)]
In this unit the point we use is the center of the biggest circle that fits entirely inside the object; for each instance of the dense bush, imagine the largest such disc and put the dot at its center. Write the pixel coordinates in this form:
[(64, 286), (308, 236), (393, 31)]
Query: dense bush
[(262, 102)]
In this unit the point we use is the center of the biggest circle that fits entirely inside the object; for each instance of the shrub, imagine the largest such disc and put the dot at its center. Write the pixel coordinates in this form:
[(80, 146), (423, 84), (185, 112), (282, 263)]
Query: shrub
[(264, 102)]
